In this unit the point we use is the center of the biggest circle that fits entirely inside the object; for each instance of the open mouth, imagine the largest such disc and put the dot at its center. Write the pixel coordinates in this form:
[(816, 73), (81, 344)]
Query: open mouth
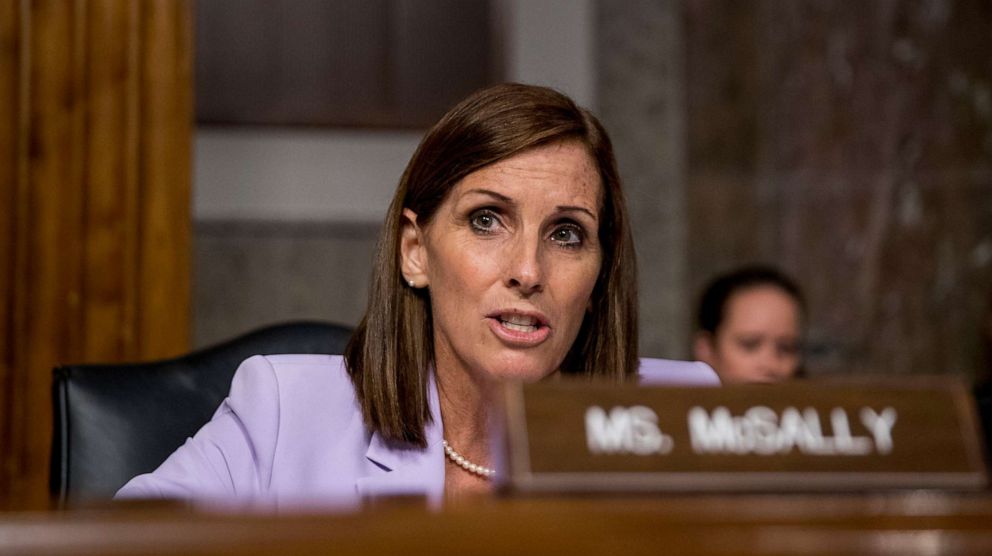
[(520, 323), (520, 329)]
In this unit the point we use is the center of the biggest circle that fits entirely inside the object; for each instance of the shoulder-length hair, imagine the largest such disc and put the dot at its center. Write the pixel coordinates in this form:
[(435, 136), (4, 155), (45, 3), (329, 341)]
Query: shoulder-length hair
[(391, 353)]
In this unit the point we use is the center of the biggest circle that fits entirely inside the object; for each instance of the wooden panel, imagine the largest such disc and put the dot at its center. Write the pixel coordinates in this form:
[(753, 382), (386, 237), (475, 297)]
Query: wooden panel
[(164, 158), (48, 297), (268, 61), (914, 523), (383, 63), (109, 263), (11, 52), (94, 142), (439, 52)]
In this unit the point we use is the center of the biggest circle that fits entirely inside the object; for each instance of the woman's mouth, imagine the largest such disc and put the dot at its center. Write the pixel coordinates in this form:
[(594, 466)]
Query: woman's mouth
[(520, 323), (518, 329)]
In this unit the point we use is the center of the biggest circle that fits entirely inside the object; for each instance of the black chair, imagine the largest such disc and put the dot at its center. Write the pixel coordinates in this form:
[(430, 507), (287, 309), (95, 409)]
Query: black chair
[(113, 422)]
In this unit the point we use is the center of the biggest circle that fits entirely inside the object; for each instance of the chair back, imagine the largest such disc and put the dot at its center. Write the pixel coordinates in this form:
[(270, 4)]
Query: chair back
[(112, 422)]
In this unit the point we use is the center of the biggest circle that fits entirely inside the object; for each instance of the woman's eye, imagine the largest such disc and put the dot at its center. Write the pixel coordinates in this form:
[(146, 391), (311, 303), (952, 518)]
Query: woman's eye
[(483, 221), (568, 236), (749, 344), (789, 348)]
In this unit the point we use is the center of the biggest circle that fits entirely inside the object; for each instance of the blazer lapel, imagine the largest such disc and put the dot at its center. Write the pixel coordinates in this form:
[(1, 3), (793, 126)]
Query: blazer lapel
[(401, 470)]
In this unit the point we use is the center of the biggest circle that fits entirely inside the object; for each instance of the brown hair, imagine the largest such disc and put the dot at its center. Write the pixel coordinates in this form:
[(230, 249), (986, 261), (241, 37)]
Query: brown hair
[(391, 352), (714, 300)]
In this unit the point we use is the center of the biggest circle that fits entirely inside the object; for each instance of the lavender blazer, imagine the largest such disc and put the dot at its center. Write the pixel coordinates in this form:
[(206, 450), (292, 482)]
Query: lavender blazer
[(291, 434)]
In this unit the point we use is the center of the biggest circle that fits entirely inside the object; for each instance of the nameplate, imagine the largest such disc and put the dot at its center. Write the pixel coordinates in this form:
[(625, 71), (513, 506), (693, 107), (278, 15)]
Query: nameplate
[(801, 436)]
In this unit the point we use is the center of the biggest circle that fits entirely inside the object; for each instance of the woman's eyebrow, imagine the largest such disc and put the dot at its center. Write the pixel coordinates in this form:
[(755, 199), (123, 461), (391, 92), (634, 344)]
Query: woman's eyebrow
[(572, 208), (489, 193), (504, 199)]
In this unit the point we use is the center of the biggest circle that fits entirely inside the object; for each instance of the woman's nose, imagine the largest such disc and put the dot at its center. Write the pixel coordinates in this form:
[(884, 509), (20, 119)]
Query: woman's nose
[(770, 362), (525, 272), (774, 363)]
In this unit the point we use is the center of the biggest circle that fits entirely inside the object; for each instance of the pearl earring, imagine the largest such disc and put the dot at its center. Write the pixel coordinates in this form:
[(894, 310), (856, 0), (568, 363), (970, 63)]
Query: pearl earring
[(412, 285)]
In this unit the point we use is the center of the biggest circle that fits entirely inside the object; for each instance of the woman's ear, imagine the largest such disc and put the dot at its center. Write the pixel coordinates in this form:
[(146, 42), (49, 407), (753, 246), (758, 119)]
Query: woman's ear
[(703, 348), (413, 251)]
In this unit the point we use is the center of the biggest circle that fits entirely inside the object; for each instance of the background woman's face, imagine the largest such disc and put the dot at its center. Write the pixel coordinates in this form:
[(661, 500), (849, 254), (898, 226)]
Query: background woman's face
[(758, 339), (511, 258)]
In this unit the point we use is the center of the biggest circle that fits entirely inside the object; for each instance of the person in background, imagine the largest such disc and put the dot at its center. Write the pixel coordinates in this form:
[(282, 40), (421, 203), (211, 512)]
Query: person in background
[(506, 254), (749, 326)]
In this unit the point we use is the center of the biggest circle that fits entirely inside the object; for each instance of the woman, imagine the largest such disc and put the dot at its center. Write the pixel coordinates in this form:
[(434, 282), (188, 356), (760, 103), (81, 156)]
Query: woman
[(506, 254), (749, 326)]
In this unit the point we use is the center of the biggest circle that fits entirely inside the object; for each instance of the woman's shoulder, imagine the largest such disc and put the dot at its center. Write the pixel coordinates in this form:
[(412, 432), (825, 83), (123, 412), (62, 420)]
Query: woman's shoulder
[(676, 373), (317, 381), (303, 362), (296, 366), (284, 417)]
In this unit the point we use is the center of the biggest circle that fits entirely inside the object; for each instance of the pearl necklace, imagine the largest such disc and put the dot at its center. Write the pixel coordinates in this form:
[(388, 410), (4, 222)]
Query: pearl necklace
[(460, 461)]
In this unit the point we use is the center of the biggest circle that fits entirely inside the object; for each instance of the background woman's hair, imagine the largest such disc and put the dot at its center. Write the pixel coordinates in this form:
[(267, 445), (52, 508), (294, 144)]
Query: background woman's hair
[(713, 303), (392, 351)]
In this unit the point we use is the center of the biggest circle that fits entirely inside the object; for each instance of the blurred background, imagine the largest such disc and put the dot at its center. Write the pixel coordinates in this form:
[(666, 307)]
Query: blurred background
[(176, 172)]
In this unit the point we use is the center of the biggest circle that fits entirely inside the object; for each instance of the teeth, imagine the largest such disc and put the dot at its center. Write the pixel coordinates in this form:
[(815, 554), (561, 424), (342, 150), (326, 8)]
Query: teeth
[(522, 320), (519, 323), (519, 327)]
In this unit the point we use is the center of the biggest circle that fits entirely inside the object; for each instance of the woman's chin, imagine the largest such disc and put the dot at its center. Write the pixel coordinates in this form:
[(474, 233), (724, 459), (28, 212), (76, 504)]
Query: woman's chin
[(521, 372)]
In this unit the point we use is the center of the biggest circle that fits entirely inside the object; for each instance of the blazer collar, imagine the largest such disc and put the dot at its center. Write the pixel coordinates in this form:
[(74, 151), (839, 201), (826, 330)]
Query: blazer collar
[(401, 470)]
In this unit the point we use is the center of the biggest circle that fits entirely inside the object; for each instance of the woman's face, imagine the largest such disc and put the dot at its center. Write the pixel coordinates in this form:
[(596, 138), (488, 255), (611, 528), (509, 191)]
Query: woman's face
[(758, 340), (510, 259)]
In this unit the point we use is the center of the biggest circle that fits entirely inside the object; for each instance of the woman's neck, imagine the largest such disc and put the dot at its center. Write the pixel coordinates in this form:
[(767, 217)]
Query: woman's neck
[(465, 411)]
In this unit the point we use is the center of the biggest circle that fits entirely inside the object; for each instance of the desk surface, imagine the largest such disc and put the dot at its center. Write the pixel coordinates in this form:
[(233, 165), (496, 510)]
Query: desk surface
[(893, 523)]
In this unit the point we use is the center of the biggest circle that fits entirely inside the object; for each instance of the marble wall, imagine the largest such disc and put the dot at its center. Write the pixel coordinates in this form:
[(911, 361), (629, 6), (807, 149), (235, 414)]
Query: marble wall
[(253, 273), (849, 143), (640, 79)]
